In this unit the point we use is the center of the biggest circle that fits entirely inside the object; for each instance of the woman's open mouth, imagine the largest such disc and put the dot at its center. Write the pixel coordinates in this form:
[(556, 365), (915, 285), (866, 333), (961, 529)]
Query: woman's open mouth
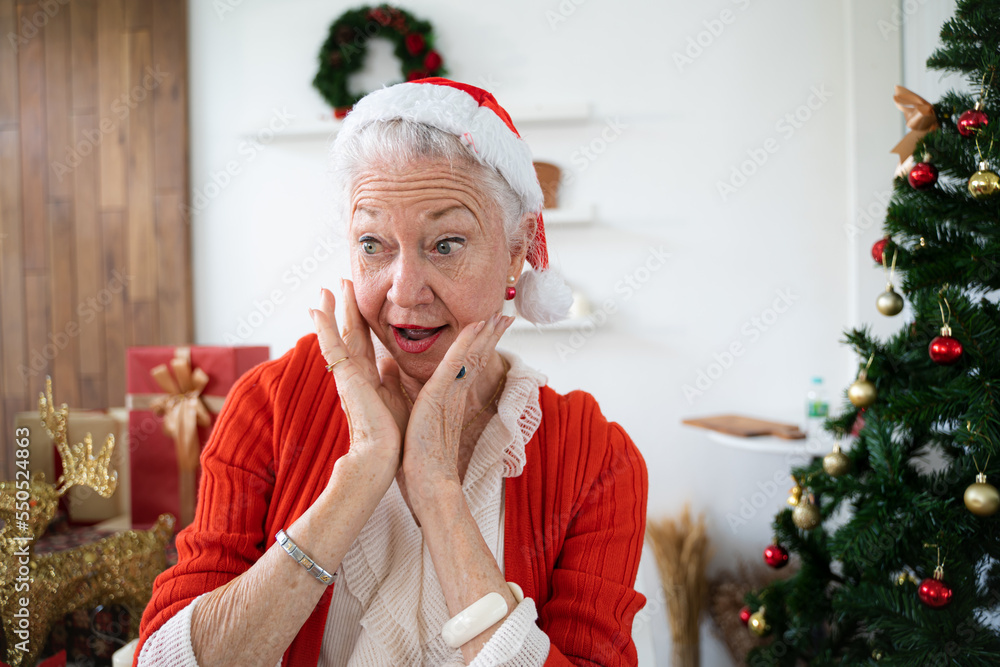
[(414, 339)]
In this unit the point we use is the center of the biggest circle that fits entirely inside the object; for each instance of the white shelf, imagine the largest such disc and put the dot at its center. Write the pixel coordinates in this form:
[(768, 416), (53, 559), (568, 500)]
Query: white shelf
[(582, 214), (302, 130), (769, 444), (326, 126)]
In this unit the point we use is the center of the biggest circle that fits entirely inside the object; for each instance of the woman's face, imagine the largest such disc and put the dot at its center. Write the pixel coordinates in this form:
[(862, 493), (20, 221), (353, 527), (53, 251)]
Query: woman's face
[(429, 257)]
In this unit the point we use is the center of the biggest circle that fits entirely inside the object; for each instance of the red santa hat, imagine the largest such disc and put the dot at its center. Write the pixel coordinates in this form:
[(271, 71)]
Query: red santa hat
[(473, 115)]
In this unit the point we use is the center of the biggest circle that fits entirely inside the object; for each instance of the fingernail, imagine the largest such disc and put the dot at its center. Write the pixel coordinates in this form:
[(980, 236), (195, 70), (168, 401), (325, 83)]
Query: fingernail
[(312, 315), (479, 327)]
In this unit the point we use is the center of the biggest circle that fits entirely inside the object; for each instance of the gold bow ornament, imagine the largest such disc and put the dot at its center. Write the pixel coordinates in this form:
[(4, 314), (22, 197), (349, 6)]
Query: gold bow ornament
[(920, 119), (184, 409)]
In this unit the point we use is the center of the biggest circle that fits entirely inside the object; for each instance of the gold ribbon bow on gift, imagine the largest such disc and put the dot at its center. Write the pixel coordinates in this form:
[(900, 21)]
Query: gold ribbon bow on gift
[(182, 406), (920, 118)]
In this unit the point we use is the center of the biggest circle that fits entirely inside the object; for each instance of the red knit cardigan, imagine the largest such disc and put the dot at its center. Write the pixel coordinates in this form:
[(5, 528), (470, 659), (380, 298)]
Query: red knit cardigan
[(573, 530)]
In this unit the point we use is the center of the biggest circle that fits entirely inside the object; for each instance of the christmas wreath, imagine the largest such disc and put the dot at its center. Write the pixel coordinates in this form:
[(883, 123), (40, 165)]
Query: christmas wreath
[(346, 46)]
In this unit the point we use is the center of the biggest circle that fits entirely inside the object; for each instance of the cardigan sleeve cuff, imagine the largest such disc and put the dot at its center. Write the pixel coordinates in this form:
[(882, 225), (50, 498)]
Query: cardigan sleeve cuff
[(171, 644), (518, 642)]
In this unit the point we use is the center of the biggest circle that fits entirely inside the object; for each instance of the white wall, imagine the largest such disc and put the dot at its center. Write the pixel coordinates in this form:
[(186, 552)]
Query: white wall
[(791, 227)]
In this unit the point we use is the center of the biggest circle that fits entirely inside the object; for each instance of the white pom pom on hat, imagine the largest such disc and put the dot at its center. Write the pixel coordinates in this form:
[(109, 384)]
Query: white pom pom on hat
[(473, 115)]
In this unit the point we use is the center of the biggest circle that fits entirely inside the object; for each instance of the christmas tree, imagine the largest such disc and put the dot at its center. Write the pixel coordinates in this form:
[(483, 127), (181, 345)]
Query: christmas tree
[(898, 536)]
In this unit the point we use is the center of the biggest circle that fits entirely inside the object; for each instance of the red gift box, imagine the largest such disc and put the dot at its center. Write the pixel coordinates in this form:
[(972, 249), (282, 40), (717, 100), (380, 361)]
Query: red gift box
[(174, 395)]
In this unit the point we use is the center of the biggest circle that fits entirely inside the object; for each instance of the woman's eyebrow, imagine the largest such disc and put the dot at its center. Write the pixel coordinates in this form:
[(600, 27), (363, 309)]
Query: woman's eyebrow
[(437, 215)]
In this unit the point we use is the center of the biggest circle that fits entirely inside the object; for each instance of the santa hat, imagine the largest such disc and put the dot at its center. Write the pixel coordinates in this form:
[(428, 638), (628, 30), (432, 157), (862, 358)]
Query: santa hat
[(473, 115)]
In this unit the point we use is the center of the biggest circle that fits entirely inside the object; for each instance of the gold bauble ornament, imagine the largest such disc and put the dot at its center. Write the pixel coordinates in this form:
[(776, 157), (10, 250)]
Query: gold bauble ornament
[(982, 498), (806, 515), (862, 392), (889, 302), (758, 623), (836, 463), (795, 493), (984, 183)]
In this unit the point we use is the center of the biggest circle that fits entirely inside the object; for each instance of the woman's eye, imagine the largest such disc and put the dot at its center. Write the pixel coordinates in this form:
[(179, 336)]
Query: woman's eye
[(370, 246), (447, 245)]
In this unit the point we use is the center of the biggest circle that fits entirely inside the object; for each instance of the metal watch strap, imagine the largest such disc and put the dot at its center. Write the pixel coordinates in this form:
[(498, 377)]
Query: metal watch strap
[(292, 549)]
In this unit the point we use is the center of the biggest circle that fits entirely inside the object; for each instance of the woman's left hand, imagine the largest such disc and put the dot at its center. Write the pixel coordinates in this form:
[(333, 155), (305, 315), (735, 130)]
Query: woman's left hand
[(434, 430)]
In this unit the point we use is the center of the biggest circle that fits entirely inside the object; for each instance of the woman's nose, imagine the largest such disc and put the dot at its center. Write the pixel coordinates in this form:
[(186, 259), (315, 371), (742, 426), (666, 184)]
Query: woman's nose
[(409, 282)]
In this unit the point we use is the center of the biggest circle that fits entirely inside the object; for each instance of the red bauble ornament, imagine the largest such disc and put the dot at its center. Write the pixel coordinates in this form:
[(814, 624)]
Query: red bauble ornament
[(934, 593), (944, 349), (972, 121), (432, 61), (859, 422), (415, 74), (745, 615), (340, 113), (923, 175), (878, 249), (776, 556), (415, 43)]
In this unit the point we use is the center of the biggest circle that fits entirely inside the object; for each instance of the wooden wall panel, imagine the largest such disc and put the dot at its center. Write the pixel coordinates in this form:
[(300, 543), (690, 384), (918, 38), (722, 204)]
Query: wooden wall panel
[(13, 349), (58, 95), (117, 336), (65, 328), (139, 14), (170, 99), (141, 220), (171, 239), (8, 67), (89, 276), (14, 360), (171, 186), (38, 326), (83, 31), (112, 65), (31, 91), (94, 251)]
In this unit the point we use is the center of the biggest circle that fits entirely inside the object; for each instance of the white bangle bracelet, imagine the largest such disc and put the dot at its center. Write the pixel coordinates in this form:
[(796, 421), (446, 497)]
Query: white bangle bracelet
[(478, 617)]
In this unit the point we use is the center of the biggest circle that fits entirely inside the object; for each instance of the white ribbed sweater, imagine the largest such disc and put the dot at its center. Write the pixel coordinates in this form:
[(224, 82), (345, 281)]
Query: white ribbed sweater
[(387, 606)]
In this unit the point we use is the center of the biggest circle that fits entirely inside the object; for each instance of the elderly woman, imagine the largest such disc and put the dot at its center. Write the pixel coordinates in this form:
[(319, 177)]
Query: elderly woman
[(398, 492)]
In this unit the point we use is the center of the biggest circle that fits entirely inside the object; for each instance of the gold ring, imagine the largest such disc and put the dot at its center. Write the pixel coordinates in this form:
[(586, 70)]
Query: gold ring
[(329, 367)]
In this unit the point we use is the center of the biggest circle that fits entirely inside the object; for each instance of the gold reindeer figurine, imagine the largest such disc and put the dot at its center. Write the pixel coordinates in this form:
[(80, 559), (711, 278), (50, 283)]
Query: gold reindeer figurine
[(35, 591)]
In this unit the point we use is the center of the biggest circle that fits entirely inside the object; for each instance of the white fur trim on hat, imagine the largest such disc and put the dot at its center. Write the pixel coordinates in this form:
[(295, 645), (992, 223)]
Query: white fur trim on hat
[(456, 112)]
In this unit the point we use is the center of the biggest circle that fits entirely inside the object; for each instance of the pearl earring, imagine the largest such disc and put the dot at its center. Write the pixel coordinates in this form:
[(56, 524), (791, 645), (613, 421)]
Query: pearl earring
[(511, 290)]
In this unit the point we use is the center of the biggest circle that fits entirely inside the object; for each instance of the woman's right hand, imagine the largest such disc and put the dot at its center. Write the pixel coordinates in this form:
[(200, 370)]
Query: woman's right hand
[(369, 391)]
